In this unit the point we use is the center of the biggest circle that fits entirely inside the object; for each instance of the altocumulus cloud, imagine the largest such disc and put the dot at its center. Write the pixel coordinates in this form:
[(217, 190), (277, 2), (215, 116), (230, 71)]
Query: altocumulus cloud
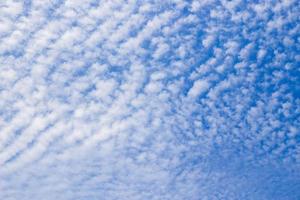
[(158, 100)]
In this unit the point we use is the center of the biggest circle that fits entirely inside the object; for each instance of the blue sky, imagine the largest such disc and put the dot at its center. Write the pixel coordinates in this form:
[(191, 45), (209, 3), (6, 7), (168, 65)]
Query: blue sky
[(156, 100)]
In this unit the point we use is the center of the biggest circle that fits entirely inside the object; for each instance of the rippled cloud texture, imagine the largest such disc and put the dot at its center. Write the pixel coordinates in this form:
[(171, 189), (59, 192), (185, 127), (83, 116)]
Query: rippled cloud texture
[(149, 100)]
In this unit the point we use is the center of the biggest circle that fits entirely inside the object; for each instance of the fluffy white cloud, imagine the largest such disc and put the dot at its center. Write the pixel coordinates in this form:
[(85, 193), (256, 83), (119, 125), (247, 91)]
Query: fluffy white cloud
[(199, 87), (149, 100)]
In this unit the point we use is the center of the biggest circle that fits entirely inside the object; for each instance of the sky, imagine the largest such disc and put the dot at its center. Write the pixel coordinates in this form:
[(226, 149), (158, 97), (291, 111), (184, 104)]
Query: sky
[(149, 100)]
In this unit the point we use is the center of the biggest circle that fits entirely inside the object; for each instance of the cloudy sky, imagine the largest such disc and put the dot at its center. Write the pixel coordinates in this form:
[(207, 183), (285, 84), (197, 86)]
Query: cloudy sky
[(149, 100)]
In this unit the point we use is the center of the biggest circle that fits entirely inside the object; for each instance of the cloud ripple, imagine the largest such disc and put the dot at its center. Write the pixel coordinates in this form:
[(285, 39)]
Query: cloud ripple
[(149, 99)]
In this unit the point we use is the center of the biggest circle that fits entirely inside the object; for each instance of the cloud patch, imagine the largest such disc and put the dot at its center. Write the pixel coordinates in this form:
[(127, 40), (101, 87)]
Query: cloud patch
[(149, 100)]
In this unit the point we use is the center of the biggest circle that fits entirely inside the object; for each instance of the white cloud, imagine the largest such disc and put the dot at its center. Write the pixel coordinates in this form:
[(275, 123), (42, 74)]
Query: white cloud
[(104, 88), (199, 87), (148, 99), (208, 41)]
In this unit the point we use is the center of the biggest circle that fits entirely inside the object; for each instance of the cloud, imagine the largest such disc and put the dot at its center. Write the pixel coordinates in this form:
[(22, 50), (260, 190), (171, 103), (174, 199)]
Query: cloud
[(149, 100), (199, 87)]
